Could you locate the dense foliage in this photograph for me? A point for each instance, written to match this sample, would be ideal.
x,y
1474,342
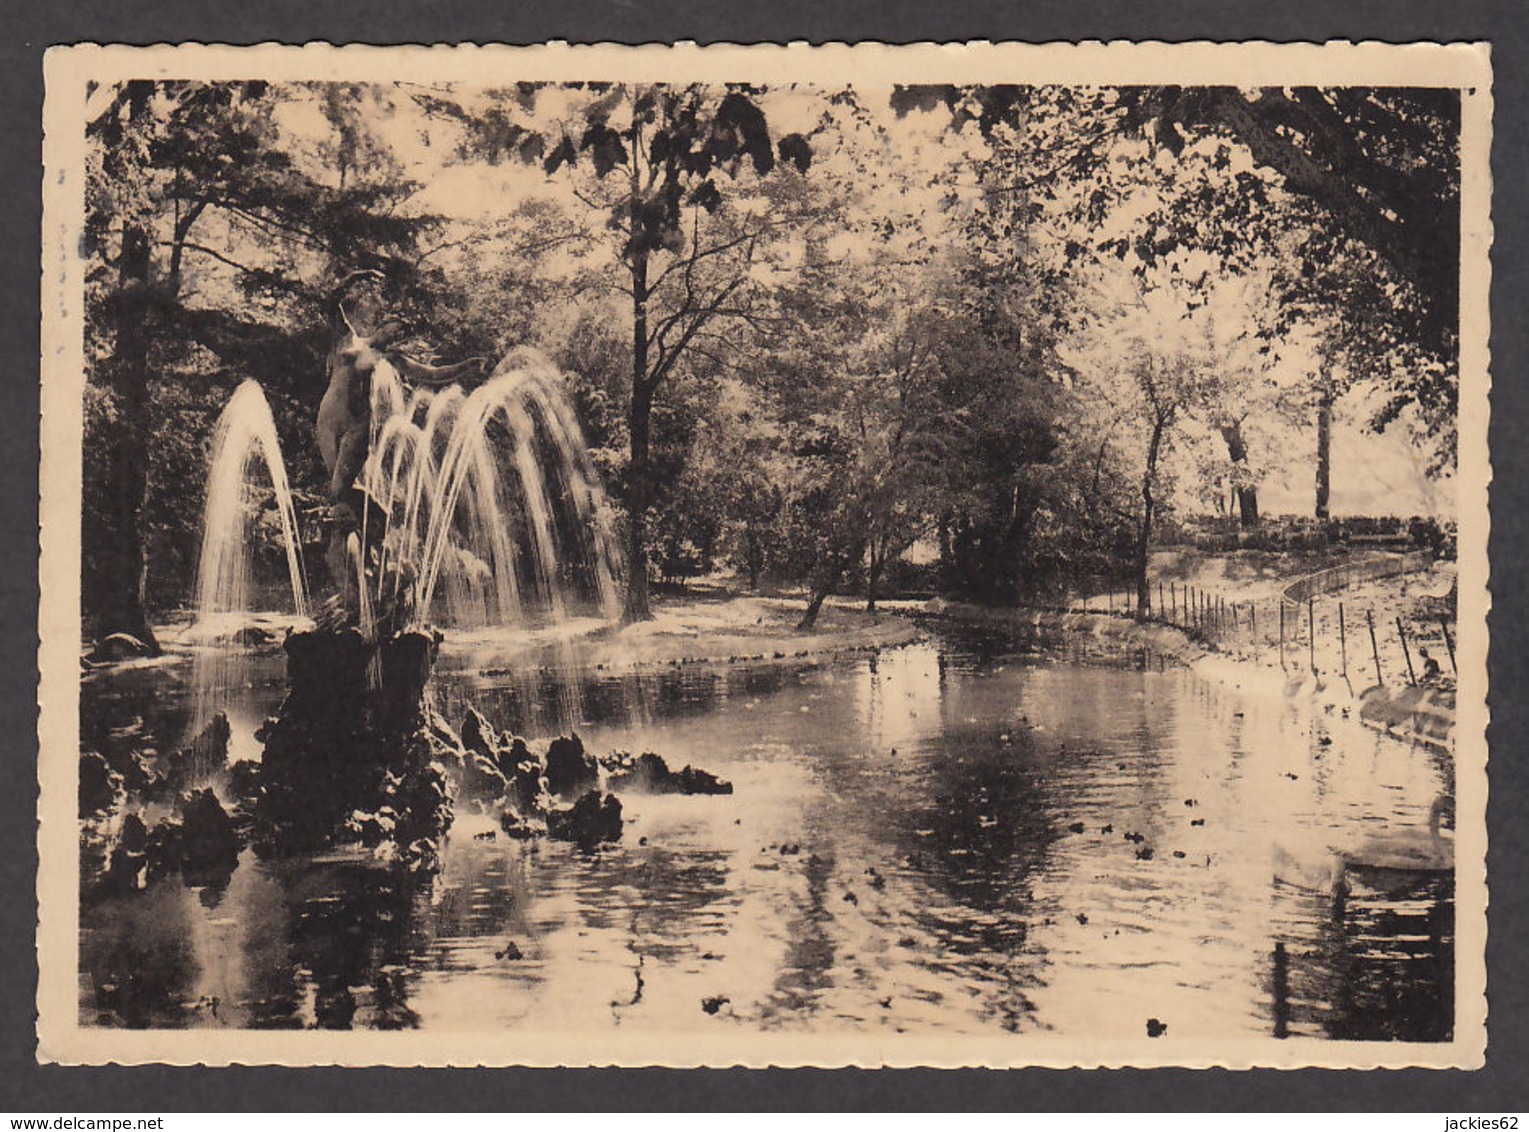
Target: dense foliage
x,y
980,339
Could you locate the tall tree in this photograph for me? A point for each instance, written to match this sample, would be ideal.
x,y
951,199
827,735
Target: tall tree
x,y
663,159
1381,163
113,581
849,392
1364,175
210,230
1146,358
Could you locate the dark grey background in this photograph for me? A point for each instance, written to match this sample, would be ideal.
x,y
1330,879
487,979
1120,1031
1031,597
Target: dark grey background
x,y
31,25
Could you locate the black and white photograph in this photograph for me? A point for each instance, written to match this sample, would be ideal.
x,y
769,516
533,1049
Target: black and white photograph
x,y
946,555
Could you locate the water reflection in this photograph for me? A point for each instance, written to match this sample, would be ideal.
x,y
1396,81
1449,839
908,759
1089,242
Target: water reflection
x,y
1368,962
962,835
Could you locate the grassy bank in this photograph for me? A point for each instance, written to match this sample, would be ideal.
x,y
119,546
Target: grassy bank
x,y
694,628
1328,641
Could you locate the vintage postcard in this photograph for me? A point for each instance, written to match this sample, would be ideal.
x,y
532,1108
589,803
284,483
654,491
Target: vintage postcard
x,y
950,555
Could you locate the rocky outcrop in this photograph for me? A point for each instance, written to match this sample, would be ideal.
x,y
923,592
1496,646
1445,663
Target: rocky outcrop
x,y
353,754
200,842
354,757
100,786
529,792
119,647
649,774
570,769
481,758
208,844
349,761
193,765
594,818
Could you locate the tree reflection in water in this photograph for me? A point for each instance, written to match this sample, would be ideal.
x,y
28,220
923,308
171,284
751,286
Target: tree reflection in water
x,y
917,841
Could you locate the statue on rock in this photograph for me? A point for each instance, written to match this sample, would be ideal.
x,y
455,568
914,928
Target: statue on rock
x,y
346,429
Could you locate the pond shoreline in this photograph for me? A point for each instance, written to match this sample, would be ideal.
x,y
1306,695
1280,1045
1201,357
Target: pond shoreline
x,y
755,630
1416,713
761,630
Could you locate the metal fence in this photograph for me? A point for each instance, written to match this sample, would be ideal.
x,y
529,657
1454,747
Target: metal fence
x,y
1311,626
1342,577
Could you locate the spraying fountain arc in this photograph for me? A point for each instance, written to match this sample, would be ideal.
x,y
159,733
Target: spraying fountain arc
x,y
244,442
471,510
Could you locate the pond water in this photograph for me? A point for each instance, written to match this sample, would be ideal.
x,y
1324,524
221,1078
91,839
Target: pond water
x,y
972,833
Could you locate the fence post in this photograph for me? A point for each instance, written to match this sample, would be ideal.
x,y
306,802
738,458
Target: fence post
x,y
1173,596
1342,642
1311,633
1282,634
1281,989
1369,618
1159,599
1449,643
1402,633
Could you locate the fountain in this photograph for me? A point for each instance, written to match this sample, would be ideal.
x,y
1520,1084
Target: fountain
x,y
471,511
454,504
244,440
489,508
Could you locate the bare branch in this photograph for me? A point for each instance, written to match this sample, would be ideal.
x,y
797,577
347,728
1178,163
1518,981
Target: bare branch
x,y
662,368
219,256
419,259
687,263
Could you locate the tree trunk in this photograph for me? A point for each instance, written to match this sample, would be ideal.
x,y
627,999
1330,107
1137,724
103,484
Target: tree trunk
x,y
640,472
874,566
947,553
1247,505
752,554
1237,450
815,605
116,574
183,223
1324,454
828,578
1148,510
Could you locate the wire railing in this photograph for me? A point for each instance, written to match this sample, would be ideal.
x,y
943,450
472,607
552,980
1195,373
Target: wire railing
x,y
1348,574
1314,625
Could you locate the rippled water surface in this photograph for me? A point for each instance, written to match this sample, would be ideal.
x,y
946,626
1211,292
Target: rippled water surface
x,y
961,835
